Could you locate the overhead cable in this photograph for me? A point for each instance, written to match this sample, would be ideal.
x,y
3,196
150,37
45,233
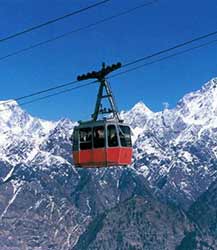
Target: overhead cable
x,y
91,25
30,29
118,74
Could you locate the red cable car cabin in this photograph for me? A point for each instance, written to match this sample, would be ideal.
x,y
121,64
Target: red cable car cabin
x,y
102,143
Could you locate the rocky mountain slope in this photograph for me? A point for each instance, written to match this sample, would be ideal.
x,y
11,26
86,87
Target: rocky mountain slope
x,y
138,223
204,211
45,203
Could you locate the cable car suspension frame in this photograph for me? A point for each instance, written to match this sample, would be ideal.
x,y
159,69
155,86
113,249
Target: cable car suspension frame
x,y
104,85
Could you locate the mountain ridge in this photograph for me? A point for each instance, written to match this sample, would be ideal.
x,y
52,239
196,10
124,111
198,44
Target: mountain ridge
x,y
174,163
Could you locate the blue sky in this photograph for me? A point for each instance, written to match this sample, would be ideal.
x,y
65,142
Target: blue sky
x,y
124,39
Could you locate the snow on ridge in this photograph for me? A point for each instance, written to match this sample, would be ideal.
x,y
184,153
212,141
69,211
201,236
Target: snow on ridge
x,y
200,107
210,84
140,106
20,133
9,102
13,118
47,125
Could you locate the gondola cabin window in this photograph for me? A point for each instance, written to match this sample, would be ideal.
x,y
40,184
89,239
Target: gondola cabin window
x,y
125,136
112,136
85,138
99,137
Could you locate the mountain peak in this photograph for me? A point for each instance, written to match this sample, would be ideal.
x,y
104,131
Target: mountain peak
x,y
141,107
200,107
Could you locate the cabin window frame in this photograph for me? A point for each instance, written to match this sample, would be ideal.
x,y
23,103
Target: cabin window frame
x,y
117,136
90,142
120,133
104,135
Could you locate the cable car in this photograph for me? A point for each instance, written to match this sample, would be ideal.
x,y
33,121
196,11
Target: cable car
x,y
102,142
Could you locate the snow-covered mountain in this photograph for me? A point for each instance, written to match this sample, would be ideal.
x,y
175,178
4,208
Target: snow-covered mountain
x,y
41,193
20,133
176,148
